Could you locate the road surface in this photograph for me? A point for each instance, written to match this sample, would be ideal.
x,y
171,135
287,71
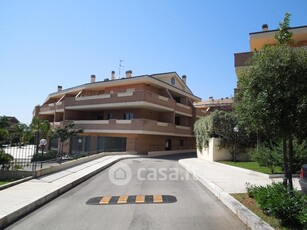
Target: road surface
x,y
189,205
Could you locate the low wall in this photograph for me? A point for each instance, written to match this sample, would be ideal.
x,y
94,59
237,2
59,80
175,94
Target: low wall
x,y
73,163
213,152
14,174
18,174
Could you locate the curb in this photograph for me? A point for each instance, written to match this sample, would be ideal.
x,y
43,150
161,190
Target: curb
x,y
247,217
18,214
15,182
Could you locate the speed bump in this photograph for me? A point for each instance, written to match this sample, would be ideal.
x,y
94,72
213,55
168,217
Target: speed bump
x,y
132,199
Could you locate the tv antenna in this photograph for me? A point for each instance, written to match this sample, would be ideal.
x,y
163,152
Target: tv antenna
x,y
120,66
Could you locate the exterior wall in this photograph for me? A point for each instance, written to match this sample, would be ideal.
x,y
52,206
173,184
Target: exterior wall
x,y
213,152
158,114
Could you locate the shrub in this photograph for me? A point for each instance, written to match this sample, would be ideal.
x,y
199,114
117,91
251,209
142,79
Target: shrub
x,y
267,157
5,160
274,200
299,154
46,156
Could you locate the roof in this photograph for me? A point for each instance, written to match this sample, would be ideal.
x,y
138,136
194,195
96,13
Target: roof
x,y
155,77
215,102
267,31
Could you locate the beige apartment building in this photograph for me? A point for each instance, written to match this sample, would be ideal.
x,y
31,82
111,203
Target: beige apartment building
x,y
257,40
139,114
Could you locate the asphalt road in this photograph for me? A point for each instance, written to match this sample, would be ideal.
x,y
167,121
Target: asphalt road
x,y
194,207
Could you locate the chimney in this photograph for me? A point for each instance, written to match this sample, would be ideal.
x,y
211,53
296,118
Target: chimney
x,y
128,73
265,27
184,79
93,78
59,88
113,75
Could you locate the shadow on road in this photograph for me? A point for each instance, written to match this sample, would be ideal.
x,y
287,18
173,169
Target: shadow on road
x,y
177,157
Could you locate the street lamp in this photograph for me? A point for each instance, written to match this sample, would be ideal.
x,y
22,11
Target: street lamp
x,y
236,130
79,144
42,143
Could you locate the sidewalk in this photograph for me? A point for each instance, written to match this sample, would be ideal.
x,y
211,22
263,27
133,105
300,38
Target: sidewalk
x,y
23,198
223,180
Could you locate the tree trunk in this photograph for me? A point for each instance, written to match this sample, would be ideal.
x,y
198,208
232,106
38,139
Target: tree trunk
x,y
290,149
285,179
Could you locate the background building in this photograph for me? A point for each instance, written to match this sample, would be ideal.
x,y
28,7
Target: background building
x,y
258,40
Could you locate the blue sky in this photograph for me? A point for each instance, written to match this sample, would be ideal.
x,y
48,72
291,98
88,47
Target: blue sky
x,y
48,43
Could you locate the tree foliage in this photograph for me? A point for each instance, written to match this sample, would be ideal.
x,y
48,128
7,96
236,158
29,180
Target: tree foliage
x,y
65,133
40,127
272,95
203,131
5,160
283,35
268,156
221,124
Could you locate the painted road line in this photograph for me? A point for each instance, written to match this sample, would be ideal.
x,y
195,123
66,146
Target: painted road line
x,y
122,199
157,199
105,200
140,199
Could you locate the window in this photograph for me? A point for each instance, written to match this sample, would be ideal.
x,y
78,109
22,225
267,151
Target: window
x,y
128,116
177,121
181,143
99,117
109,117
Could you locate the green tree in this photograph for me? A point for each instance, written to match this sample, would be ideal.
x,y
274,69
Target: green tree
x,y
272,96
3,136
20,132
269,156
221,124
41,129
283,35
233,137
40,126
64,134
4,122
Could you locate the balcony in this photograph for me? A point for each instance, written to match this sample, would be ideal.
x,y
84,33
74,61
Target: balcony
x,y
51,108
135,126
241,59
136,99
201,113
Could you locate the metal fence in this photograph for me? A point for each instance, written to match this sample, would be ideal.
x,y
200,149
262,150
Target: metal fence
x,y
88,145
34,156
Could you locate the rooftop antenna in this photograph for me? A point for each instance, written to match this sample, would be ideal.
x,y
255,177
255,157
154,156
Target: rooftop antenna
x,y
119,68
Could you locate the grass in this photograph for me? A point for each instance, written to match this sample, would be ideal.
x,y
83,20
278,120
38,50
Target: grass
x,y
2,182
251,205
251,165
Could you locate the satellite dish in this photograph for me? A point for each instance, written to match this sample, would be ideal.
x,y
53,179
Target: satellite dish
x,y
42,142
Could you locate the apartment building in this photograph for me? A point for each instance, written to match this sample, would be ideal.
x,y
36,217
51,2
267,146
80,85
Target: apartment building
x,y
212,104
138,114
257,40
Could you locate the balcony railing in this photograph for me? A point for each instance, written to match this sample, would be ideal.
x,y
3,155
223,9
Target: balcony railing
x,y
201,113
241,59
135,126
51,108
117,100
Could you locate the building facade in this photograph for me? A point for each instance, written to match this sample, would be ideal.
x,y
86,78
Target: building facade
x,y
258,40
208,106
141,114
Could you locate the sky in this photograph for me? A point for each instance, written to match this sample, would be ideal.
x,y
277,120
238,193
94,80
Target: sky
x,y
46,43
